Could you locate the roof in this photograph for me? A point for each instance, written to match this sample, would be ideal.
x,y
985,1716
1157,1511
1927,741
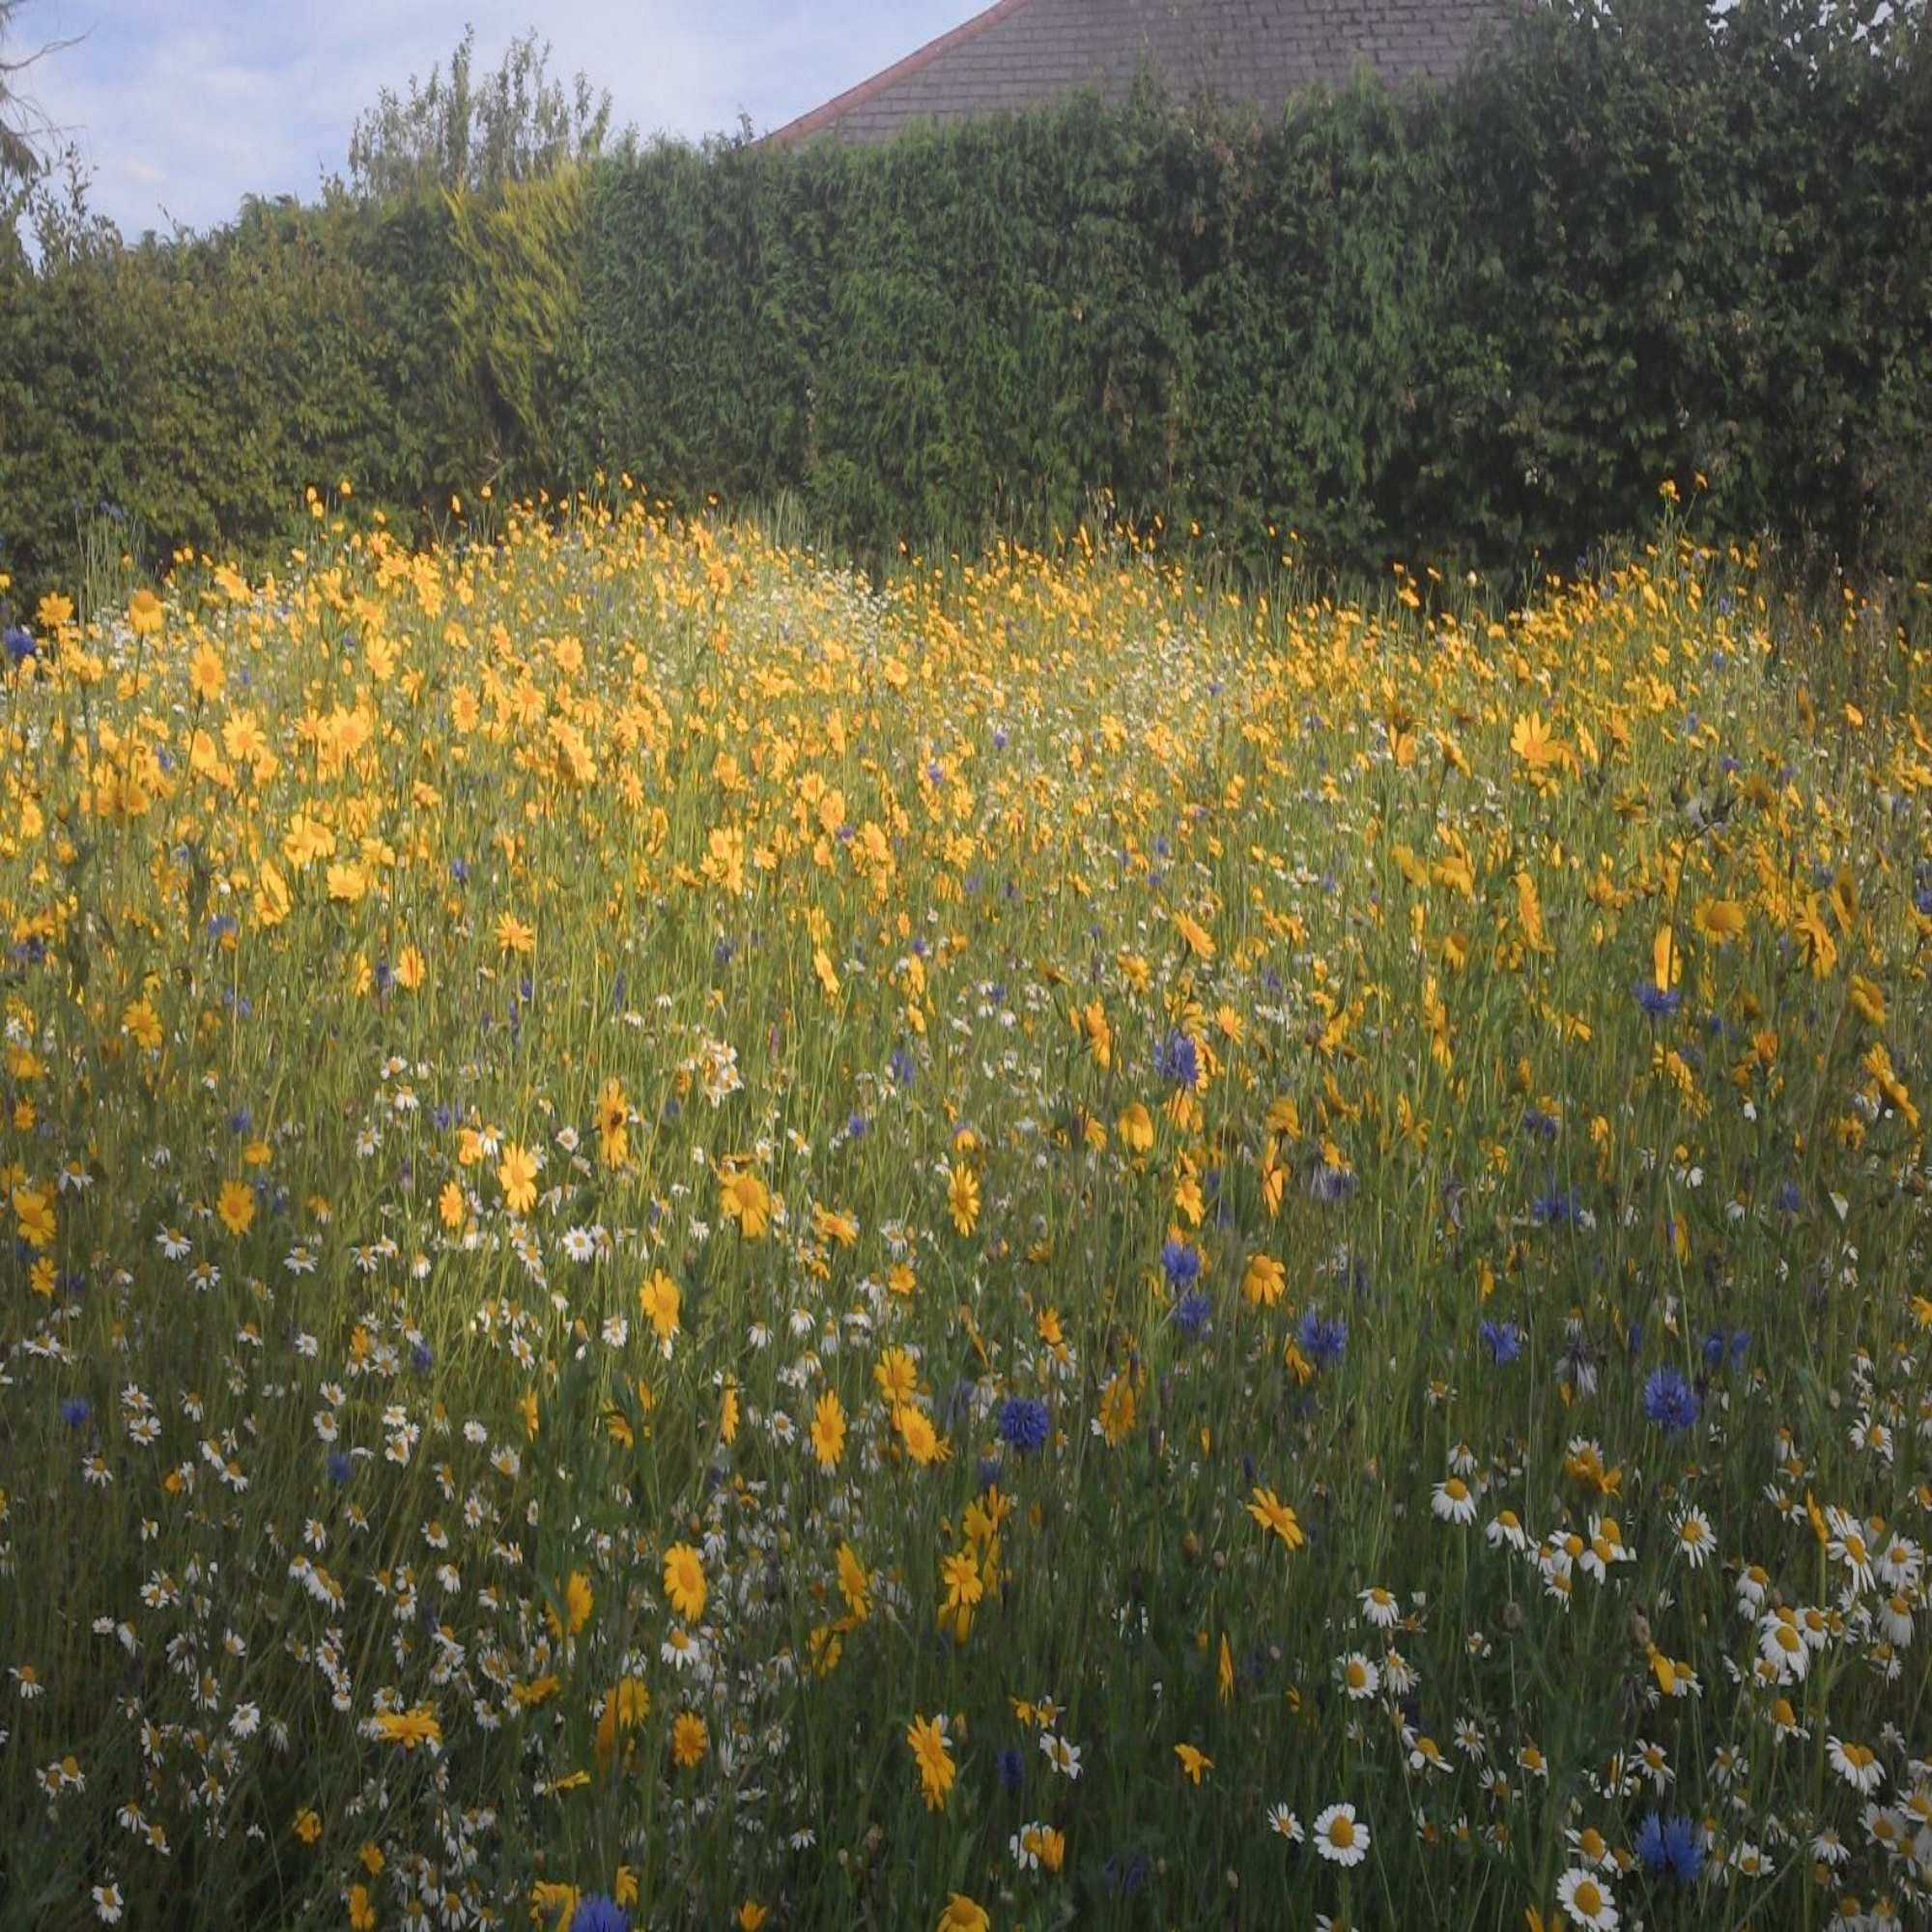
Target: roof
x,y
1023,53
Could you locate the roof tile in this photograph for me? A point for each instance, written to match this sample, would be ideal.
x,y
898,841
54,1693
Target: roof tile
x,y
1027,53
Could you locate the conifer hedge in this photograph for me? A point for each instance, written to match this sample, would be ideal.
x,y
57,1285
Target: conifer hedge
x,y
1481,323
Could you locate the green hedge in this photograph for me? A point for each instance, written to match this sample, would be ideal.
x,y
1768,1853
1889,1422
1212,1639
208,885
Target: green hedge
x,y
1479,322
195,389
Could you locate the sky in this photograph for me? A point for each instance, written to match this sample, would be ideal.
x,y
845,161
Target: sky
x,y
181,107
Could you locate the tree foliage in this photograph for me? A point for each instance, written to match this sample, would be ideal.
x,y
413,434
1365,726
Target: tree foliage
x,y
461,132
24,133
1481,324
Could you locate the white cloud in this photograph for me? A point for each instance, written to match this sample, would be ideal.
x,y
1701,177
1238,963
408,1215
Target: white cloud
x,y
184,106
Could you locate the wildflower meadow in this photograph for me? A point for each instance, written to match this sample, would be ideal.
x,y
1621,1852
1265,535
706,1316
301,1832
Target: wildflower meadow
x,y
694,1242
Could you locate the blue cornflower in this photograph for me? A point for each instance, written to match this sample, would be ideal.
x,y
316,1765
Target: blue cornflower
x,y
1717,1345
1789,1199
1181,1263
1330,1184
1503,1340
421,1357
1671,1845
1655,1001
1024,1423
1010,1764
599,1913
75,1410
1669,1400
1554,1210
1191,1312
1320,1341
1178,1060
999,741
340,1468
20,645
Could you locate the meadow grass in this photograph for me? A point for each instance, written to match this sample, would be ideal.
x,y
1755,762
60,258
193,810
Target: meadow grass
x,y
690,1242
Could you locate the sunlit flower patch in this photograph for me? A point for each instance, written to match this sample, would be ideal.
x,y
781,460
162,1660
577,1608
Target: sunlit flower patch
x,y
692,1242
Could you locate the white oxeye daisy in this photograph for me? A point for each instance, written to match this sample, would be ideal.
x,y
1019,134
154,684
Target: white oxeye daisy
x,y
1828,1848
1894,1619
1695,1539
1899,1562
1592,1847
1781,1644
1379,1608
1359,1678
1885,1827
1340,1836
1506,1527
1856,1764
1285,1824
1454,1501
1586,1900
1849,1548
